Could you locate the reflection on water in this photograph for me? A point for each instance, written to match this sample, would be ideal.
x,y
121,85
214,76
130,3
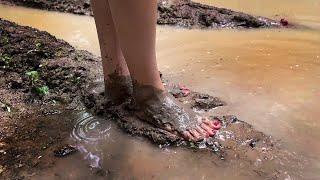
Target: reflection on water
x,y
269,78
90,129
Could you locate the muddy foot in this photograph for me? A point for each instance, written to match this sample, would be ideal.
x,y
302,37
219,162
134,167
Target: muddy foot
x,y
116,89
164,111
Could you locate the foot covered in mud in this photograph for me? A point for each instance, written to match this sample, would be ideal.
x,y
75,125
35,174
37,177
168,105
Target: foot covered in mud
x,y
116,89
163,111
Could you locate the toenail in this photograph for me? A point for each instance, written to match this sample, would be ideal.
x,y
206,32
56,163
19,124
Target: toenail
x,y
216,124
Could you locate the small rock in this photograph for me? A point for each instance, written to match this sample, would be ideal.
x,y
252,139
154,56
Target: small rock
x,y
252,143
1,169
284,22
65,151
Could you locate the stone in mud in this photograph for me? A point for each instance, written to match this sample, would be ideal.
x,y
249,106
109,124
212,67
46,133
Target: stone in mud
x,y
284,22
184,13
65,151
179,91
206,102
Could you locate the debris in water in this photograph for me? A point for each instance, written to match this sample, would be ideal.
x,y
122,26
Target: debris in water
x,y
253,143
206,102
1,169
65,151
284,22
93,159
185,91
202,145
180,91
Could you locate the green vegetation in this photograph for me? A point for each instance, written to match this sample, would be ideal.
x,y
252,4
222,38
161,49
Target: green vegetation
x,y
4,40
33,75
6,58
38,46
42,91
76,80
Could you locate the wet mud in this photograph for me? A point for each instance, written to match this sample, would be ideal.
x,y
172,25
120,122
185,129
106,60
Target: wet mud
x,y
40,75
183,13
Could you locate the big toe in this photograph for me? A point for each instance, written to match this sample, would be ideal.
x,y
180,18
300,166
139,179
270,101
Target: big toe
x,y
215,124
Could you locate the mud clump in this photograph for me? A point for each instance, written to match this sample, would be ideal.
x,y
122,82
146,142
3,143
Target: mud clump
x,y
186,13
183,13
65,151
81,7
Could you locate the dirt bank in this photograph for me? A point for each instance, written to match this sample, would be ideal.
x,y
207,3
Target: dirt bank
x,y
182,13
40,75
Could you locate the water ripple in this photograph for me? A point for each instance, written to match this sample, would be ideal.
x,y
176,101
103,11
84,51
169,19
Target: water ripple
x,y
89,128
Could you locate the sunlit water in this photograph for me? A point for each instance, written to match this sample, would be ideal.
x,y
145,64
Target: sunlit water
x,y
269,78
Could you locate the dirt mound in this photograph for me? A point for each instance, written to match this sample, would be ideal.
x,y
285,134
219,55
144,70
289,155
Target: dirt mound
x,y
184,13
38,74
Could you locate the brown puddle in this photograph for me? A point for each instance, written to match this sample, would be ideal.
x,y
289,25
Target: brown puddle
x,y
269,78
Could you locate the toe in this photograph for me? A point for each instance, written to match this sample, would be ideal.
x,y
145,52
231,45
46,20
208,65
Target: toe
x,y
215,124
187,135
207,129
202,132
195,134
208,122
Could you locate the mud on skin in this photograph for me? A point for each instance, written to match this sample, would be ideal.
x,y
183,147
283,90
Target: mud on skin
x,y
184,13
66,72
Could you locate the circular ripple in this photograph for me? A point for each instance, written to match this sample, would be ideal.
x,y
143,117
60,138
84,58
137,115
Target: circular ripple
x,y
89,128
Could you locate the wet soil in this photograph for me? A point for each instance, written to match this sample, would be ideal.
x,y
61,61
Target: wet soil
x,y
40,75
184,13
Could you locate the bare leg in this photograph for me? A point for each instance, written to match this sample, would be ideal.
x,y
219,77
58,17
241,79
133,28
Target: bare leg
x,y
135,23
116,73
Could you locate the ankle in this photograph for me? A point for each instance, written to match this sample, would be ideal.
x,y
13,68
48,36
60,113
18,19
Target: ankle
x,y
143,93
118,88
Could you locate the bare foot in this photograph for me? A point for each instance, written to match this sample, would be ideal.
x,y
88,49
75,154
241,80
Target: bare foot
x,y
164,111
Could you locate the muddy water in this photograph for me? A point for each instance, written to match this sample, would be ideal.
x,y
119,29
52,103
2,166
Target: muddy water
x,y
269,78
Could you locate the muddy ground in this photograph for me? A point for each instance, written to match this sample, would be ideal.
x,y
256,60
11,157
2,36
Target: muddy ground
x,y
184,13
40,75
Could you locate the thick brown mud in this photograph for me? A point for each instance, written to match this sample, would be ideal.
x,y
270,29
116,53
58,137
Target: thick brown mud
x,y
184,13
39,74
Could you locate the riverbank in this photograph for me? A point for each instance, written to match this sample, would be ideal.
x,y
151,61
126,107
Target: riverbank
x,y
183,13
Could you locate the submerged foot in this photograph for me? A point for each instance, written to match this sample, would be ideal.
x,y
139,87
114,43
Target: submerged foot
x,y
164,111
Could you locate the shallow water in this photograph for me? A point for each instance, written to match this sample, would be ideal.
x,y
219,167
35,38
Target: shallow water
x,y
269,78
